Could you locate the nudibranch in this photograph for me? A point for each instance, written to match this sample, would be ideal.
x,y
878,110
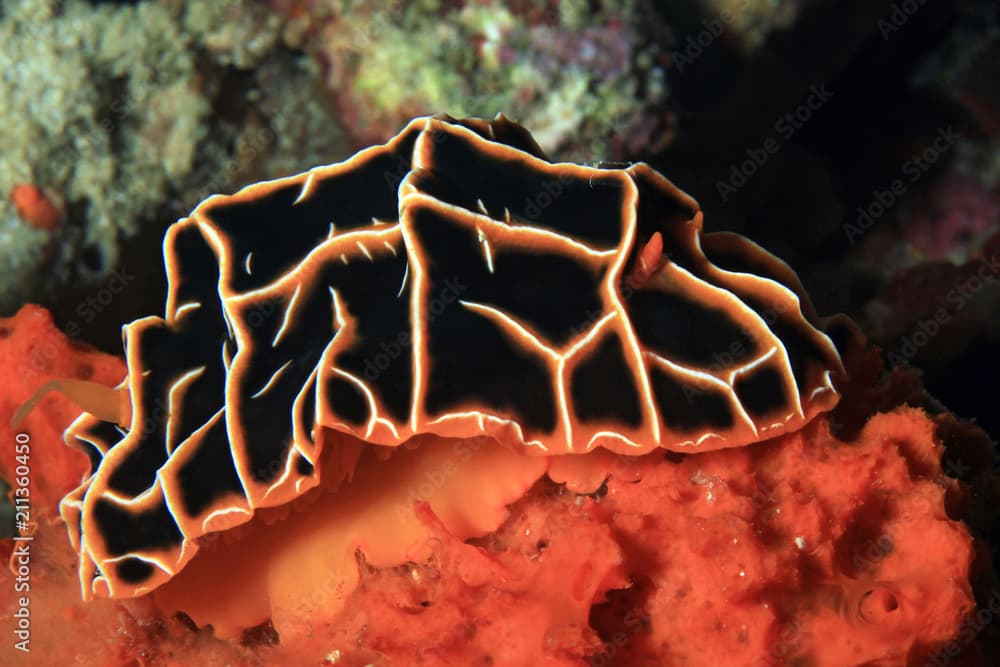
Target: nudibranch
x,y
452,282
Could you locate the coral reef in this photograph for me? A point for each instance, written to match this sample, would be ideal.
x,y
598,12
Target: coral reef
x,y
126,112
904,152
751,21
952,220
938,291
123,115
33,351
586,77
802,548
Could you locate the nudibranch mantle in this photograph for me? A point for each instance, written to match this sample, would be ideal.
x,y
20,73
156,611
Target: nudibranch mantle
x,y
451,281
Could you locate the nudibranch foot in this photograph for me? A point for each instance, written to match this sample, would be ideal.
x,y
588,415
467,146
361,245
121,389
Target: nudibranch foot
x,y
110,405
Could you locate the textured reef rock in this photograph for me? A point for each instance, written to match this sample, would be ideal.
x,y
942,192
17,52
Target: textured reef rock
x,y
940,314
122,112
802,548
954,219
587,77
750,22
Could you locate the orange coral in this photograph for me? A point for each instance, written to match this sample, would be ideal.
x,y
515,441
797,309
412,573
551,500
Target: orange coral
x,y
800,549
804,548
33,351
35,207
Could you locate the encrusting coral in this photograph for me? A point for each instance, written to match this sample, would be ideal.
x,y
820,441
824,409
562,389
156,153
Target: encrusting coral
x,y
803,547
33,351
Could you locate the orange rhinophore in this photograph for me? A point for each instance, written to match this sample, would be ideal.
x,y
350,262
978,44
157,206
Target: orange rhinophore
x,y
35,207
454,283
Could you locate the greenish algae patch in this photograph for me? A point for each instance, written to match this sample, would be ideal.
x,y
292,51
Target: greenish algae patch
x,y
127,113
575,72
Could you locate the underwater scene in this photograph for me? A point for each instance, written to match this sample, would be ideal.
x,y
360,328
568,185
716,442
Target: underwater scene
x,y
543,333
